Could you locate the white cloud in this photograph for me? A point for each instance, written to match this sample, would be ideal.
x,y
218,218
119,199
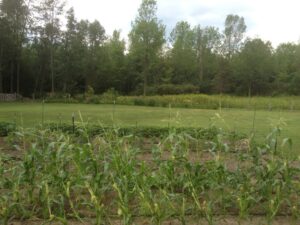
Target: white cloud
x,y
275,20
112,14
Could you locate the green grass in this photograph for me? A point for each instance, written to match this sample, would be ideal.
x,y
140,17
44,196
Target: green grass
x,y
202,101
241,120
196,101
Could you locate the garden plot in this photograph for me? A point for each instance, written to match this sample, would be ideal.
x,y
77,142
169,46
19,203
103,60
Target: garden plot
x,y
59,178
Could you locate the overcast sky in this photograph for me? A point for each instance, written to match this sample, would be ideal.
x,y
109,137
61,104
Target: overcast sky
x,y
274,20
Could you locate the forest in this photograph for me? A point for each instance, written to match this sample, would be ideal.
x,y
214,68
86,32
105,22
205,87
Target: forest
x,y
45,50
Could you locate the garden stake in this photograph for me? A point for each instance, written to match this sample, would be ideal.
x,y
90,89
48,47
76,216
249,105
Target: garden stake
x,y
73,122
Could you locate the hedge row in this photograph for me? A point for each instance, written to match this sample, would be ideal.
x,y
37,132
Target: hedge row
x,y
198,101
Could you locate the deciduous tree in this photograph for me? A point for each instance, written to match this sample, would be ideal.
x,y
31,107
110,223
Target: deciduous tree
x,y
146,38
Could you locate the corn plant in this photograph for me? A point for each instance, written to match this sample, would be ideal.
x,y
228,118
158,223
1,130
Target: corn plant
x,y
123,204
97,204
204,208
152,201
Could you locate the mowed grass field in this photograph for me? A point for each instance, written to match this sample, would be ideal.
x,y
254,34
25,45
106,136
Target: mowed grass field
x,y
241,120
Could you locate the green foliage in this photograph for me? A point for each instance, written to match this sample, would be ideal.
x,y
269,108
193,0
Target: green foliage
x,y
235,29
110,95
6,128
93,130
146,40
198,101
213,102
89,92
183,56
38,56
254,67
100,178
172,89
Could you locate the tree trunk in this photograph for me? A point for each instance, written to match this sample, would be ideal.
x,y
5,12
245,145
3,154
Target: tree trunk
x,y
65,87
145,83
249,90
18,77
51,68
200,60
42,80
1,80
12,77
36,82
1,76
145,73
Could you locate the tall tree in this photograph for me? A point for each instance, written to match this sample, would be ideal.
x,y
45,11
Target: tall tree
x,y
48,24
15,14
207,41
254,67
286,58
234,32
294,86
96,37
146,38
115,48
4,44
182,54
286,66
70,53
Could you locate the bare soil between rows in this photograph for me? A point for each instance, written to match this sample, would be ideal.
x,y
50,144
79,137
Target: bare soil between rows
x,y
228,220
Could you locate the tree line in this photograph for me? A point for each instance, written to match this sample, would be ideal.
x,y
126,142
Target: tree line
x,y
39,55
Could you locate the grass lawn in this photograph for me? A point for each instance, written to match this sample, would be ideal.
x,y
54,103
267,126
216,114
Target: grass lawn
x,y
30,114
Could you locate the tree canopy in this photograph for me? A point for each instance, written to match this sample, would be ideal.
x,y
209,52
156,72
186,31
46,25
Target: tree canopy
x,y
45,49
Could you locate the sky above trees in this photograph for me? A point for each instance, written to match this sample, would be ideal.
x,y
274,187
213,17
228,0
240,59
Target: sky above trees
x,y
276,21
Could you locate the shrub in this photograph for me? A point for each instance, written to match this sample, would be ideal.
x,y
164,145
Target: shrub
x,y
138,101
172,89
89,92
95,99
151,102
6,128
200,101
109,96
60,98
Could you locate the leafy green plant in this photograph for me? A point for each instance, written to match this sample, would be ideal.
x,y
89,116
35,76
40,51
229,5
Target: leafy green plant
x,y
6,128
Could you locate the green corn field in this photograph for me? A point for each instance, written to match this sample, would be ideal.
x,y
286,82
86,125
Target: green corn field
x,y
55,176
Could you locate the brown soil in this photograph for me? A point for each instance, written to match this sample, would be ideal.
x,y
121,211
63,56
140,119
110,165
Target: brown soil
x,y
194,157
8,150
228,220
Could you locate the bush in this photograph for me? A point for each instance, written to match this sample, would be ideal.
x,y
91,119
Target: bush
x,y
151,102
95,99
172,89
60,98
110,95
89,92
199,101
6,128
138,101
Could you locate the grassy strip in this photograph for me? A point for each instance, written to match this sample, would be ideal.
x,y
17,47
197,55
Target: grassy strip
x,y
244,121
214,102
199,101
